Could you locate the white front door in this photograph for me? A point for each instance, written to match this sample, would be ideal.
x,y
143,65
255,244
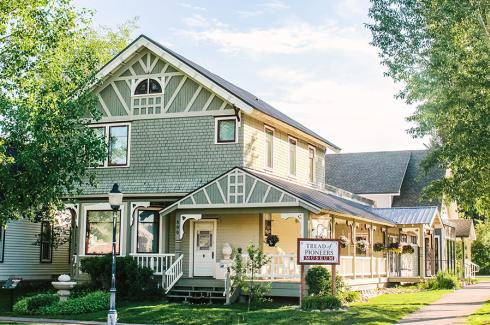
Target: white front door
x,y
204,248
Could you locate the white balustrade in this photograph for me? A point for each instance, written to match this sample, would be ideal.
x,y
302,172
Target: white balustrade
x,y
158,263
470,269
173,274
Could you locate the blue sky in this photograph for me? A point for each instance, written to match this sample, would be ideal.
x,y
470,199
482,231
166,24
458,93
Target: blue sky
x,y
310,59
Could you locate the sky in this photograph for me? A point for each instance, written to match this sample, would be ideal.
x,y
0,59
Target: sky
x,y
310,59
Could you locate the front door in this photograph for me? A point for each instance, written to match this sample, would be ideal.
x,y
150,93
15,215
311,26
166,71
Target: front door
x,y
204,250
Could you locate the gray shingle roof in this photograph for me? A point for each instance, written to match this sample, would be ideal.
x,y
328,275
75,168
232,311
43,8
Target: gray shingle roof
x,y
244,95
367,172
464,227
322,199
415,181
411,215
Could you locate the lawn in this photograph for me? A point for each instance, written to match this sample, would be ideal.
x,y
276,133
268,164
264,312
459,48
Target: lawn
x,y
481,316
384,309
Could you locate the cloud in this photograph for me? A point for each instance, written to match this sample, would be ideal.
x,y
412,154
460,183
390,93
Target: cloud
x,y
275,4
192,7
350,8
197,21
355,116
292,38
264,8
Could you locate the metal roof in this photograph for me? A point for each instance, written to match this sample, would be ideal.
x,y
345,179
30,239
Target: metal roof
x,y
408,215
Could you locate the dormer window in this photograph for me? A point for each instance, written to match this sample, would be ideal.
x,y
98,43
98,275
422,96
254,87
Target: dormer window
x,y
147,98
148,87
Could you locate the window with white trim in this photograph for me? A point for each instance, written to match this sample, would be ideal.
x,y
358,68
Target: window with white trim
x,y
2,242
226,130
147,240
311,163
46,242
236,188
147,98
269,148
116,136
292,156
98,232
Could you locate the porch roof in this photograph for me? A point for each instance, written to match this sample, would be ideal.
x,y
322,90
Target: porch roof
x,y
409,215
464,228
260,190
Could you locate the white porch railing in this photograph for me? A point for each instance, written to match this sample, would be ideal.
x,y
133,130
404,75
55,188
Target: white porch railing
x,y
470,269
173,274
159,263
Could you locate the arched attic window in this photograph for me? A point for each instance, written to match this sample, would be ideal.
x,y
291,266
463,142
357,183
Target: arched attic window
x,y
148,87
147,98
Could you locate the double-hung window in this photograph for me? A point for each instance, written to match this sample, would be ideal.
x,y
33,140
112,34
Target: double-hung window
x,y
116,136
269,147
292,156
2,242
46,255
226,130
98,233
311,163
148,231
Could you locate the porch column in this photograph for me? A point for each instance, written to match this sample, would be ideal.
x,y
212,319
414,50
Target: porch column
x,y
422,251
332,234
354,253
371,257
178,236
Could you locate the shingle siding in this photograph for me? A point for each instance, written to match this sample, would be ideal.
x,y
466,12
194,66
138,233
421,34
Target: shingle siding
x,y
170,156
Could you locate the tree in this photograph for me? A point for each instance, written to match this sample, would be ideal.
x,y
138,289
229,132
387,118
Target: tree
x,y
49,54
480,249
439,50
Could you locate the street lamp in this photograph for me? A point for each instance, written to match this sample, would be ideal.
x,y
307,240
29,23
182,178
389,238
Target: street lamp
x,y
115,200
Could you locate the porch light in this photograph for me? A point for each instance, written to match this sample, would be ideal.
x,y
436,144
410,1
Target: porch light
x,y
115,197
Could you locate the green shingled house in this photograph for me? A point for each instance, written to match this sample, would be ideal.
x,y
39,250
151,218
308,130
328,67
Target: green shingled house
x,y
206,166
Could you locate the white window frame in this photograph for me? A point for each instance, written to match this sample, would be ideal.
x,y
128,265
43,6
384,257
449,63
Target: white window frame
x,y
135,84
266,158
107,127
161,229
41,241
138,81
2,243
313,171
216,134
83,226
295,156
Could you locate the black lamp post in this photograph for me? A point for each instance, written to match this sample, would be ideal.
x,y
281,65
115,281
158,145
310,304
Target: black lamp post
x,y
115,200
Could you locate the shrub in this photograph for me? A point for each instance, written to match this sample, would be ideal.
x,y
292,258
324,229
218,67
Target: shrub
x,y
319,281
31,305
379,247
98,300
321,302
408,249
132,281
350,296
443,280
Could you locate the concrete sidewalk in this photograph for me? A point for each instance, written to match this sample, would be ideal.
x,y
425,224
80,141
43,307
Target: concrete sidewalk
x,y
40,321
452,308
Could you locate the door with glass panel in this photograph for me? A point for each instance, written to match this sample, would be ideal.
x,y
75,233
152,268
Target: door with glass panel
x,y
204,248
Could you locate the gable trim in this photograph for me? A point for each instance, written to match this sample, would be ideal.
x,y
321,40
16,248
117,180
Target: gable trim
x,y
142,42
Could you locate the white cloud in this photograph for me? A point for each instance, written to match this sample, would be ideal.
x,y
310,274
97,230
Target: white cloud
x,y
264,8
197,21
349,8
275,4
357,117
192,7
293,38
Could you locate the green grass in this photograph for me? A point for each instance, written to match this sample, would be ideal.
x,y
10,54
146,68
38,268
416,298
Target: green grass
x,y
481,316
384,309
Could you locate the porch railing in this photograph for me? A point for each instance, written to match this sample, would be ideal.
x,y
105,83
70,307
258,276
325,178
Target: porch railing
x,y
173,274
158,263
281,266
470,269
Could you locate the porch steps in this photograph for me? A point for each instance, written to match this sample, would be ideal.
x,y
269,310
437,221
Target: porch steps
x,y
198,291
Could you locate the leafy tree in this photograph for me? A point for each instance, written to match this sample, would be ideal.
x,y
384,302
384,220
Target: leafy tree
x,y
480,249
49,53
440,51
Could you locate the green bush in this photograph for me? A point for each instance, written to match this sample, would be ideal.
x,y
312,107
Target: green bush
x,y
31,305
319,281
98,300
443,280
132,281
350,296
321,302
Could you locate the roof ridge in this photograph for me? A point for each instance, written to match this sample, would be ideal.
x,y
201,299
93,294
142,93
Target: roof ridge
x,y
378,151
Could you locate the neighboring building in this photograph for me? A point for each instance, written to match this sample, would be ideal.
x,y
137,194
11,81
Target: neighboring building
x,y
205,165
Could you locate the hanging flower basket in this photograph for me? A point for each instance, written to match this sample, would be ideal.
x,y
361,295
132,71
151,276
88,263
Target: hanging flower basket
x,y
362,245
408,249
272,240
379,247
395,248
344,241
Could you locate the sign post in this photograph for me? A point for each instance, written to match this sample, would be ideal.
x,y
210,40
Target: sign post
x,y
313,251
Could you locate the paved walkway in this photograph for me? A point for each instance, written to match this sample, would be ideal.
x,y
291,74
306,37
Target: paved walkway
x,y
42,321
452,308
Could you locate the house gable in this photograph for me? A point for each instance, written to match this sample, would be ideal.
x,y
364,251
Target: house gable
x,y
181,94
238,189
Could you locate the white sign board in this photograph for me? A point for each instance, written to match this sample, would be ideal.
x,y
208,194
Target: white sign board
x,y
318,251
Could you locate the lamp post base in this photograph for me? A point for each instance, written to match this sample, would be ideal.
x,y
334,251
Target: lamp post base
x,y
112,318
